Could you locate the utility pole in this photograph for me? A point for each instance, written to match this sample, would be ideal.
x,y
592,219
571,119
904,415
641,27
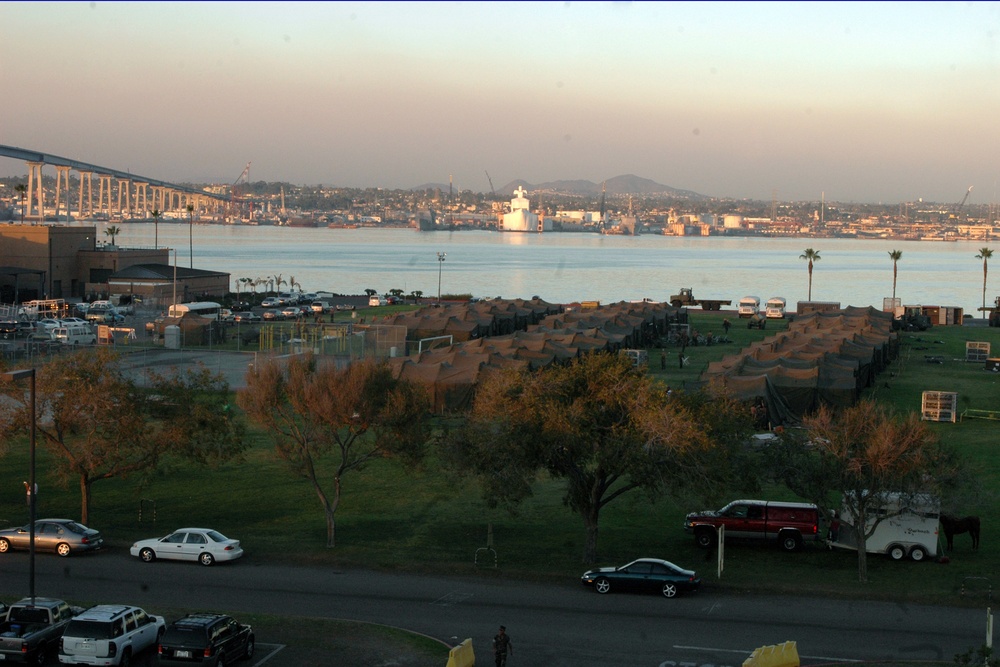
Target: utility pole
x,y
441,256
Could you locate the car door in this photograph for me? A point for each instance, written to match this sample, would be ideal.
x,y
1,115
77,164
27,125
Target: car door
x,y
172,546
635,577
194,545
660,574
46,535
145,630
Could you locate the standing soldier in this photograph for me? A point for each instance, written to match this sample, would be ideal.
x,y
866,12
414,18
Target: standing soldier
x,y
502,646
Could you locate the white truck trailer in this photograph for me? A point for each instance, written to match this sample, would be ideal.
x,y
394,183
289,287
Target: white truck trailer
x,y
908,528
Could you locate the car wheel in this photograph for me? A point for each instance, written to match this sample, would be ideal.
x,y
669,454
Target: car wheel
x,y
669,589
918,554
63,549
206,559
126,659
4,546
705,538
221,661
40,656
896,552
791,542
248,651
147,555
602,585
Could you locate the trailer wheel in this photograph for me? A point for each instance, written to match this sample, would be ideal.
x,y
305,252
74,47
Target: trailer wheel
x,y
676,303
918,553
896,552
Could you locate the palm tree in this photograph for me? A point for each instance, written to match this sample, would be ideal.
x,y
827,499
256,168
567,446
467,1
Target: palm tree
x,y
984,254
812,256
190,210
156,228
113,231
21,189
894,255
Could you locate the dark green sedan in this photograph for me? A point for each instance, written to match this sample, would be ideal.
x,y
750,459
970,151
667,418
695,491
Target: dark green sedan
x,y
641,576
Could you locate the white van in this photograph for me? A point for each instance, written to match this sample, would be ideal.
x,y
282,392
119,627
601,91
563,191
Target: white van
x,y
76,334
377,301
749,306
320,306
775,308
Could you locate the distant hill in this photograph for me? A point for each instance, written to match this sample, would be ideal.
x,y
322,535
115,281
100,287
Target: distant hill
x,y
619,185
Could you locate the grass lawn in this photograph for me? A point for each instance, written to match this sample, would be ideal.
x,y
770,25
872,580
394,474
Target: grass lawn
x,y
424,520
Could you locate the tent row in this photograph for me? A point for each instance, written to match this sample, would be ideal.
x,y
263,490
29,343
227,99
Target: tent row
x,y
824,358
450,373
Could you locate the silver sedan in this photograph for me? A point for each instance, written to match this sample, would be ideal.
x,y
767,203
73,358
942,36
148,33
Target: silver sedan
x,y
61,536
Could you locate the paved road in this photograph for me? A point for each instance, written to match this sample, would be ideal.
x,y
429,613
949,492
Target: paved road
x,y
551,625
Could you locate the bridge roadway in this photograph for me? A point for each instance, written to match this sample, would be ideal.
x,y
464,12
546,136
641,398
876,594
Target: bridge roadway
x,y
552,625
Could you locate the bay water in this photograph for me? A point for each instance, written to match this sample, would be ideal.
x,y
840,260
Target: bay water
x,y
567,267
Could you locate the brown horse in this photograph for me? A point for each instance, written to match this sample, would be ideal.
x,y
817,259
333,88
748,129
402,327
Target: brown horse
x,y
955,526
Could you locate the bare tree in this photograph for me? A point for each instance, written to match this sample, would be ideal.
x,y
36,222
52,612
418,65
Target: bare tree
x,y
313,411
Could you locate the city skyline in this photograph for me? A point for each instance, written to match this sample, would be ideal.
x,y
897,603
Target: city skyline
x,y
865,102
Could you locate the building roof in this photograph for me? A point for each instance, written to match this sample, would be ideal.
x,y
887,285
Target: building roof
x,y
162,272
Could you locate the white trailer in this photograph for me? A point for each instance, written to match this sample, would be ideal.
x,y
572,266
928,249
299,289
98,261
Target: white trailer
x,y
908,528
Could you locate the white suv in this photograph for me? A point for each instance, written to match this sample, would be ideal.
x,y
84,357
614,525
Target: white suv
x,y
109,634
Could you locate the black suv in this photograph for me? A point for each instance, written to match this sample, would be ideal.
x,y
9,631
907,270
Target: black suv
x,y
206,639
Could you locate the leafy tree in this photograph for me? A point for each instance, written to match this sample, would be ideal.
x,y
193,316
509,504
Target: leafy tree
x,y
21,190
396,292
113,231
354,415
984,254
895,256
866,455
156,228
416,294
371,292
811,256
98,424
598,424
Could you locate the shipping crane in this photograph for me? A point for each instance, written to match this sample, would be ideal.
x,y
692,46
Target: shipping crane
x,y
958,208
238,198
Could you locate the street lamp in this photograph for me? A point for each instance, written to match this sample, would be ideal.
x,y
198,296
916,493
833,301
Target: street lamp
x,y
441,256
12,376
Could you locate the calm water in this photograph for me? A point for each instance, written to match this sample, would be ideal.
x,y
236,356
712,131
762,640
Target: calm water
x,y
567,267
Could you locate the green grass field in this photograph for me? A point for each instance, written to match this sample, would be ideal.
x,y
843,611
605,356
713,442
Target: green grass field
x,y
424,520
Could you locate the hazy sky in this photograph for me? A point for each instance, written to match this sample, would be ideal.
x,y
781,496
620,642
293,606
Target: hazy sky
x,y
863,101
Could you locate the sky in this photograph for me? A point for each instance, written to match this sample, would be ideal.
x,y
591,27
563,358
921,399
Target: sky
x,y
849,101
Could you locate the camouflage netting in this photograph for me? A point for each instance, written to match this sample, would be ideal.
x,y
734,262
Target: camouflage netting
x,y
824,358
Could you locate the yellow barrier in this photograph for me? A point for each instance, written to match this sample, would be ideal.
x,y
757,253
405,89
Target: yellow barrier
x,y
780,655
462,655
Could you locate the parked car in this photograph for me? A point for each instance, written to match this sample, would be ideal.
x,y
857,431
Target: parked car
x,y
109,634
345,306
271,315
787,524
61,536
206,639
270,302
291,312
69,321
643,575
201,544
246,317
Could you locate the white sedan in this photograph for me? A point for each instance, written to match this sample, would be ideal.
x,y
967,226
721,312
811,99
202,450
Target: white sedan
x,y
201,544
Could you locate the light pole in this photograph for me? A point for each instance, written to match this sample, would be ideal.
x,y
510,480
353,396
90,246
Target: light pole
x,y
441,256
32,488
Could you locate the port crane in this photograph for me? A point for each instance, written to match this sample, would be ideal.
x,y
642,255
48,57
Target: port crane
x,y
238,198
958,207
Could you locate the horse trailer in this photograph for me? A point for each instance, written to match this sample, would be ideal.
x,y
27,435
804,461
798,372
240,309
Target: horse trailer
x,y
908,528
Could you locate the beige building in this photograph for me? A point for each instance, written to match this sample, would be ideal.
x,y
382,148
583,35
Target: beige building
x,y
65,262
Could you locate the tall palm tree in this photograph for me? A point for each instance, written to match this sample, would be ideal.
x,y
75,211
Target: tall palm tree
x,y
21,189
894,255
984,254
113,231
190,210
812,256
156,228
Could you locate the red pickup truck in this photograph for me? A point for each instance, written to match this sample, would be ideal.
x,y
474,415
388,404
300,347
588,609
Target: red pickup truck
x,y
789,524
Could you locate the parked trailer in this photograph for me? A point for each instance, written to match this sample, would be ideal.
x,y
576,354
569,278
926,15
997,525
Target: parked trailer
x,y
909,528
685,298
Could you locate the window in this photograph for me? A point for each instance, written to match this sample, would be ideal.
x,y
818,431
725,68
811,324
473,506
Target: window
x,y
130,622
175,538
755,512
196,538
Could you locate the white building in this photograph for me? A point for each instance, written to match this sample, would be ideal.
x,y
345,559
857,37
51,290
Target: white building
x,y
520,218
